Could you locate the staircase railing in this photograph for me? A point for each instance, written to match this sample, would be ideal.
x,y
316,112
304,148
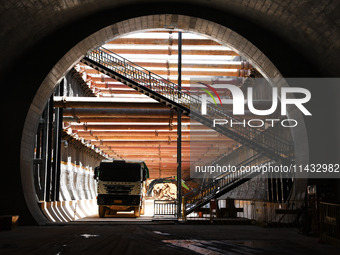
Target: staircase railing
x,y
168,92
222,184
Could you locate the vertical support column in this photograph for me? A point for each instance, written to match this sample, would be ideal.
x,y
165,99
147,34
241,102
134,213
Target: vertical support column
x,y
39,159
269,188
59,127
55,154
58,122
48,167
179,164
44,153
179,61
179,132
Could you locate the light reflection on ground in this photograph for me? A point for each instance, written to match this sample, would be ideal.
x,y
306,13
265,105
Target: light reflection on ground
x,y
214,247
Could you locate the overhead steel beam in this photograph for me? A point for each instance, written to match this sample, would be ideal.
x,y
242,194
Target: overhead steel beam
x,y
100,102
150,65
148,151
217,71
141,144
155,138
155,143
173,156
162,41
175,52
162,145
148,133
133,127
148,113
121,120
160,151
120,127
238,73
118,85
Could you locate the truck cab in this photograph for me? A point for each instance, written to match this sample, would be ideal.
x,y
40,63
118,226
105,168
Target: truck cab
x,y
121,186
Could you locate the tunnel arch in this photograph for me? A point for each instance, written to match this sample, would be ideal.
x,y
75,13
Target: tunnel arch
x,y
211,29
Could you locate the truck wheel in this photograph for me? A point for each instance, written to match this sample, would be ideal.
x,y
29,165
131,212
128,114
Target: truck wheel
x,y
137,212
101,211
142,209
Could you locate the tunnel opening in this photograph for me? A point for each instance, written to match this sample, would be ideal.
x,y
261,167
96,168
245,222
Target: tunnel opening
x,y
79,139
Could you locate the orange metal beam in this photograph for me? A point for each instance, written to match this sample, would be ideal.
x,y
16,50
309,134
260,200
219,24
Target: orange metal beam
x,y
237,73
142,144
163,41
135,120
147,133
175,52
133,127
160,138
150,65
110,105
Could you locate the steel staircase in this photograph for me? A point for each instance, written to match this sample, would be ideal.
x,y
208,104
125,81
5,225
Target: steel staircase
x,y
265,142
223,183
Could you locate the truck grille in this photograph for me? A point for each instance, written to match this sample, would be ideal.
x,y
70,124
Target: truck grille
x,y
118,189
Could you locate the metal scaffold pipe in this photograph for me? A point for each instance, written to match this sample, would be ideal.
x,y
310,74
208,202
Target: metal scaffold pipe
x,y
121,112
111,103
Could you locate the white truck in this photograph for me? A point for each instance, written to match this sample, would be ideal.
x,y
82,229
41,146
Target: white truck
x,y
121,186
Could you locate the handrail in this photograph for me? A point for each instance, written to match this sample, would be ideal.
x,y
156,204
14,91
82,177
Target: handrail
x,y
228,175
148,71
215,187
332,204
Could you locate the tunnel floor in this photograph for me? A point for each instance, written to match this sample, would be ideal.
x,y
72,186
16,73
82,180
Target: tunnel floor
x,y
120,218
159,239
124,217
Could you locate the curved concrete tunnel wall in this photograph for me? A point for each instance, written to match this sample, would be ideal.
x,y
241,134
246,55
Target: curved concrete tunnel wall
x,y
287,32
77,192
78,188
220,33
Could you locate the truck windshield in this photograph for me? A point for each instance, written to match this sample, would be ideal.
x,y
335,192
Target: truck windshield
x,y
127,172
